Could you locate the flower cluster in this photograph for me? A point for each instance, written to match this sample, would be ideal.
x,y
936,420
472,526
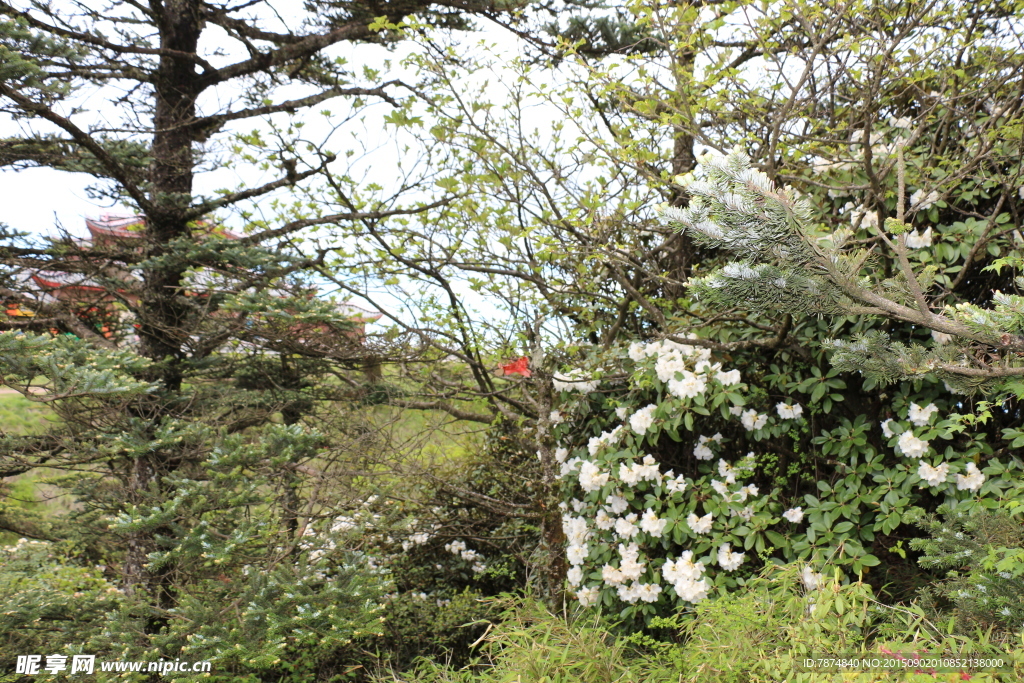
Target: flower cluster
x,y
919,240
574,380
642,419
933,475
729,560
911,446
971,480
702,451
789,411
686,577
459,548
921,416
752,420
672,361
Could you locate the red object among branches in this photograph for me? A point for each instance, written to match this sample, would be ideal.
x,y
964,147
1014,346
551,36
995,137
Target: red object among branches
x,y
518,367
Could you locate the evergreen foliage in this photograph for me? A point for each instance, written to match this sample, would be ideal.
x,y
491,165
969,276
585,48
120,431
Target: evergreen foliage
x,y
983,557
196,371
790,265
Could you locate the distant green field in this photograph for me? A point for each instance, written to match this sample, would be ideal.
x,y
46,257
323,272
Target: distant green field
x,y
19,416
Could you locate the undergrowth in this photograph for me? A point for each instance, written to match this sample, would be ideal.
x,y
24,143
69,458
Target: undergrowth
x,y
758,635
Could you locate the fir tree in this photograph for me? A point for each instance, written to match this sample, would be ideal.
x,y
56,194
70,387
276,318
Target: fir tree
x,y
200,486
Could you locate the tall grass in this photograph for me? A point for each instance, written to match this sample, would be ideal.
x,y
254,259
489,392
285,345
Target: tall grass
x,y
760,634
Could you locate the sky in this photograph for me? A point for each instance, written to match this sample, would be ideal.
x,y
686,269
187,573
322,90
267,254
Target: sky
x,y
41,200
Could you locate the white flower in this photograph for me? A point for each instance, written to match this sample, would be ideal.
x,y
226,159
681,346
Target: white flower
x,y
629,593
887,428
810,578
587,596
578,505
575,529
705,367
720,487
794,515
629,474
751,489
789,411
683,569
642,419
726,471
727,559
574,576
911,446
752,420
692,591
923,200
699,525
569,467
972,480
576,554
728,378
866,219
917,240
618,504
636,352
596,443
702,452
651,524
677,485
933,475
668,364
736,411
603,521
591,477
746,513
573,381
690,386
649,470
621,412
455,547
626,527
611,575
561,454
648,592
920,416
629,564
479,567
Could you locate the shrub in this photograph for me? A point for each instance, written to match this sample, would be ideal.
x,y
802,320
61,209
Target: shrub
x,y
984,556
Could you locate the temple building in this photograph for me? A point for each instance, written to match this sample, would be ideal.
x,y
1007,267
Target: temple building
x,y
106,307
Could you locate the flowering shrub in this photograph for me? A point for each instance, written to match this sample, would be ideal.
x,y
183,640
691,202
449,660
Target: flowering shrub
x,y
667,498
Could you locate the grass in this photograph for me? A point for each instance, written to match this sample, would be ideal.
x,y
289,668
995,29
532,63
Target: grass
x,y
20,416
760,634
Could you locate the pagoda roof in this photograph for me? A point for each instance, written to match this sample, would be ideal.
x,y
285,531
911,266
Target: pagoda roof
x,y
132,227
